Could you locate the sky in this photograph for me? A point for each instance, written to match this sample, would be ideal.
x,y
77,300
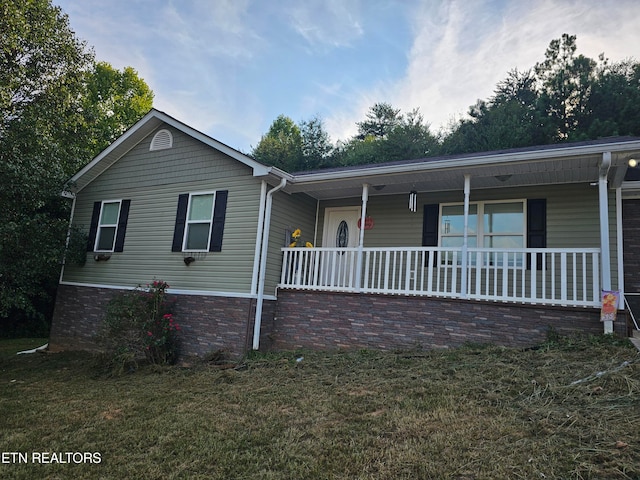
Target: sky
x,y
228,68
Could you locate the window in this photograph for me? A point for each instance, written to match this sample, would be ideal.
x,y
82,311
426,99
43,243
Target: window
x,y
452,226
499,225
198,229
342,235
108,226
200,222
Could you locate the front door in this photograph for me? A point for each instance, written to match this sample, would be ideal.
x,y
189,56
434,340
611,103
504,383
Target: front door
x,y
340,231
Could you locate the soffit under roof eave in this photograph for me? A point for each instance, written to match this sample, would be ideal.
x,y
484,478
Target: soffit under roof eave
x,y
529,172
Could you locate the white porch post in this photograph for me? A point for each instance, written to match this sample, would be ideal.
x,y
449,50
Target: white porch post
x,y
619,245
363,215
465,234
605,253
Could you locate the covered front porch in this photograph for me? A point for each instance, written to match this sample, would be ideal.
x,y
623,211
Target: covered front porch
x,y
564,250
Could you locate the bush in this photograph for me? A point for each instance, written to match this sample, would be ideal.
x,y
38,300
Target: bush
x,y
139,325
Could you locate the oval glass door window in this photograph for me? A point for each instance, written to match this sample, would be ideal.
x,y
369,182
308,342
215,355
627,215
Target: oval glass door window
x,y
342,235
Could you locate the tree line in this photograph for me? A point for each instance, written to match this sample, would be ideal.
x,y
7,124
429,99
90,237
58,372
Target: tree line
x,y
59,107
566,97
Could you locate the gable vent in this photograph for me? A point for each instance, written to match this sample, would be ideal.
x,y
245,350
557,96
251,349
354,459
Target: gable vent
x,y
161,140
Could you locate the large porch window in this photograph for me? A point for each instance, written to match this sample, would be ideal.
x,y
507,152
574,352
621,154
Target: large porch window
x,y
499,225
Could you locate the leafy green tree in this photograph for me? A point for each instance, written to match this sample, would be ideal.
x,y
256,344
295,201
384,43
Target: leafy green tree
x,y
282,145
614,101
509,119
381,119
114,100
44,74
42,66
387,135
316,145
357,151
566,81
410,139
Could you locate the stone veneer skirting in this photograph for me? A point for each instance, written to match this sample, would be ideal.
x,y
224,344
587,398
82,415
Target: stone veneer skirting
x,y
208,324
327,321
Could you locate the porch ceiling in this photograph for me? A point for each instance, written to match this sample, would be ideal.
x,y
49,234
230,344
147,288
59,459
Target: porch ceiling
x,y
512,169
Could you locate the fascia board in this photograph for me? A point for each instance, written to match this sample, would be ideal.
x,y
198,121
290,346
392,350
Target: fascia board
x,y
461,162
279,174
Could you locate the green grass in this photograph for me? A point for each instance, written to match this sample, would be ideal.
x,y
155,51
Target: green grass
x,y
469,413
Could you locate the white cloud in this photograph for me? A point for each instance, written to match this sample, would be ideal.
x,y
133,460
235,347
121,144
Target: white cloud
x,y
461,50
207,29
331,23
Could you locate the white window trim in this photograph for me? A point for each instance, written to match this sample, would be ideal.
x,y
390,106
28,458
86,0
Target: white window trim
x,y
480,234
188,222
107,225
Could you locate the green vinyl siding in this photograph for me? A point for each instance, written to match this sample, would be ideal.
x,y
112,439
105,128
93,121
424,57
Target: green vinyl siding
x,y
289,212
153,181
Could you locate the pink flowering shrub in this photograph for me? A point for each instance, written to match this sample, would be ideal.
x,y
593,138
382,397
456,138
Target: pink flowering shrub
x,y
140,324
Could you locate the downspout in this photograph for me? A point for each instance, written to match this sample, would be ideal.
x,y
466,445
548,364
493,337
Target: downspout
x,y
66,243
465,241
256,254
605,254
263,263
363,215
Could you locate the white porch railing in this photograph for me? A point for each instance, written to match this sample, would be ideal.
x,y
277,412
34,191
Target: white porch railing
x,y
568,277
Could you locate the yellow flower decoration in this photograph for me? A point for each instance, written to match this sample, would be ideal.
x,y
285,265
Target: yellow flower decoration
x,y
296,237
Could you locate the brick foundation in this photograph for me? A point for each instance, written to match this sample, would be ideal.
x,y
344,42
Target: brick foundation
x,y
327,321
208,323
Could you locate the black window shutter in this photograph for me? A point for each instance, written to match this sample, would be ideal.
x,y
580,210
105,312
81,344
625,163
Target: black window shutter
x,y
536,228
219,214
93,230
181,220
430,225
122,225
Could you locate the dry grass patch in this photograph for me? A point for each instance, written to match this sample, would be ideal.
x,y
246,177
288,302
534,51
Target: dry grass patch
x,y
469,413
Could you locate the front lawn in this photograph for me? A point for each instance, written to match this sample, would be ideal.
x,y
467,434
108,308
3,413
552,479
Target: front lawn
x,y
570,409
